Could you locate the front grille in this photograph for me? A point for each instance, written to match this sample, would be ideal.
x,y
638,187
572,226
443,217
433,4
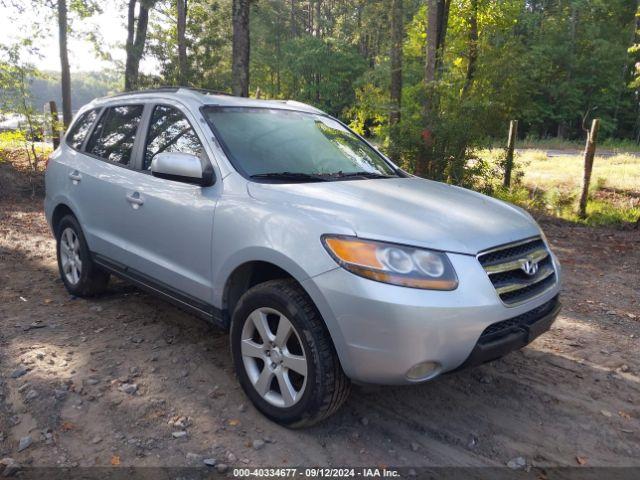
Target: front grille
x,y
500,329
505,267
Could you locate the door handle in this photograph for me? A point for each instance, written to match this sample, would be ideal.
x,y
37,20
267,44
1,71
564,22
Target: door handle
x,y
135,199
75,176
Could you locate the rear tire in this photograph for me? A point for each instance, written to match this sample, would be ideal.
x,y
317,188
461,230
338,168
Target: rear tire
x,y
294,377
80,275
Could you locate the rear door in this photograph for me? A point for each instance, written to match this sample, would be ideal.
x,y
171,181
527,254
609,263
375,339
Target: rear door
x,y
172,223
74,164
103,179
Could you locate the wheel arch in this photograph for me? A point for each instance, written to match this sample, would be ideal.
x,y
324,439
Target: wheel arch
x,y
249,274
59,212
277,265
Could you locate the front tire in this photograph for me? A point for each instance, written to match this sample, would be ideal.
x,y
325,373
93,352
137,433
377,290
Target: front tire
x,y
284,357
81,277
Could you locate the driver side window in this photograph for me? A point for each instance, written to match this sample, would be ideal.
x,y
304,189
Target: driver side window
x,y
170,131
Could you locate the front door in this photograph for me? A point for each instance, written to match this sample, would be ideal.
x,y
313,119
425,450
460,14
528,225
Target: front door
x,y
172,221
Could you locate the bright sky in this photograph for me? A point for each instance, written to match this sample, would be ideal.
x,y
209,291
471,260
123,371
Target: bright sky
x,y
110,26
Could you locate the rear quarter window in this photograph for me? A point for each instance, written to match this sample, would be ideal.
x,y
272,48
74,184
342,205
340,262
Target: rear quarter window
x,y
80,129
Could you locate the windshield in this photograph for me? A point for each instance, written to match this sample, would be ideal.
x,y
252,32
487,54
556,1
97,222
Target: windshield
x,y
267,143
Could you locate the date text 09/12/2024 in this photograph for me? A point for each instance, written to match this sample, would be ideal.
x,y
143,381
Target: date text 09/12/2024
x,y
316,472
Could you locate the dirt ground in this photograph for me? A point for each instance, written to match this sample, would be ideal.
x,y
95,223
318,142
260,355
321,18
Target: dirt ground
x,y
570,398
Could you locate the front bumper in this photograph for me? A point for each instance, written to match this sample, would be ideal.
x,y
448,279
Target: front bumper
x,y
381,331
503,337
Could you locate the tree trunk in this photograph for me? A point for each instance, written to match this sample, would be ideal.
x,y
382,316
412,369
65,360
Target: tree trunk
x,y
136,37
141,33
589,153
317,29
473,48
183,74
278,59
442,34
294,27
65,74
397,37
437,20
560,132
129,78
241,48
432,40
622,85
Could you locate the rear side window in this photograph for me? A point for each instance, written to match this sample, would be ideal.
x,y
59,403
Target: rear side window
x,y
115,133
79,131
170,131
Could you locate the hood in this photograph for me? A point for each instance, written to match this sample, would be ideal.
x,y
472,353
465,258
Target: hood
x,y
410,211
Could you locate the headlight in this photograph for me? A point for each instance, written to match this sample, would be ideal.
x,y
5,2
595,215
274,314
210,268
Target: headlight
x,y
391,263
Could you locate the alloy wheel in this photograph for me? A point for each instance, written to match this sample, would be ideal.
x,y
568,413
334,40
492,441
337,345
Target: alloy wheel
x,y
70,255
274,357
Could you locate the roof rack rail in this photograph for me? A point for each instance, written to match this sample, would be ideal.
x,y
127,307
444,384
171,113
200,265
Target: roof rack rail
x,y
147,90
168,89
207,91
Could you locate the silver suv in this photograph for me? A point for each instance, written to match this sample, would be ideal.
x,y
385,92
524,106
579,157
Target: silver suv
x,y
326,261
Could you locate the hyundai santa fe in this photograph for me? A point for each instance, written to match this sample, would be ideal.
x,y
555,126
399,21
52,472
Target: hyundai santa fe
x,y
326,262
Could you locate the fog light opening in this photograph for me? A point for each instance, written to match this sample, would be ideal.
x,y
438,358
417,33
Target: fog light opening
x,y
423,371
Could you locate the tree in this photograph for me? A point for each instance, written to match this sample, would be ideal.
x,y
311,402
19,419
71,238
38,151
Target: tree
x,y
465,68
206,62
321,72
65,73
136,37
292,13
64,12
397,37
15,98
437,22
241,47
183,74
317,24
473,48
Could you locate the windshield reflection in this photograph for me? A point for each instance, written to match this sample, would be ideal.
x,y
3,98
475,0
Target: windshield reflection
x,y
293,145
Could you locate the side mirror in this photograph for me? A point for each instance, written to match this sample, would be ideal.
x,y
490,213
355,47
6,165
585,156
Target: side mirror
x,y
182,167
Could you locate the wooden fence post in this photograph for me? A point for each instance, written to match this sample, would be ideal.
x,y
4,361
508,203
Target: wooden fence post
x,y
511,143
589,153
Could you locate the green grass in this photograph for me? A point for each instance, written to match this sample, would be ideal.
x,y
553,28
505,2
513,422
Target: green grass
x,y
551,185
601,210
608,144
620,172
13,149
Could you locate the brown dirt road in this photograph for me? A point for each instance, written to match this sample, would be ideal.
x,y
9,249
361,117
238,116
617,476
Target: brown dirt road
x,y
572,397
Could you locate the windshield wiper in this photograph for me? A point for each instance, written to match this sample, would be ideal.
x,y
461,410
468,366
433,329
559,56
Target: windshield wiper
x,y
297,176
318,177
361,174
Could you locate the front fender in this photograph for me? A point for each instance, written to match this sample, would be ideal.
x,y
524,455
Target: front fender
x,y
297,271
249,230
255,254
